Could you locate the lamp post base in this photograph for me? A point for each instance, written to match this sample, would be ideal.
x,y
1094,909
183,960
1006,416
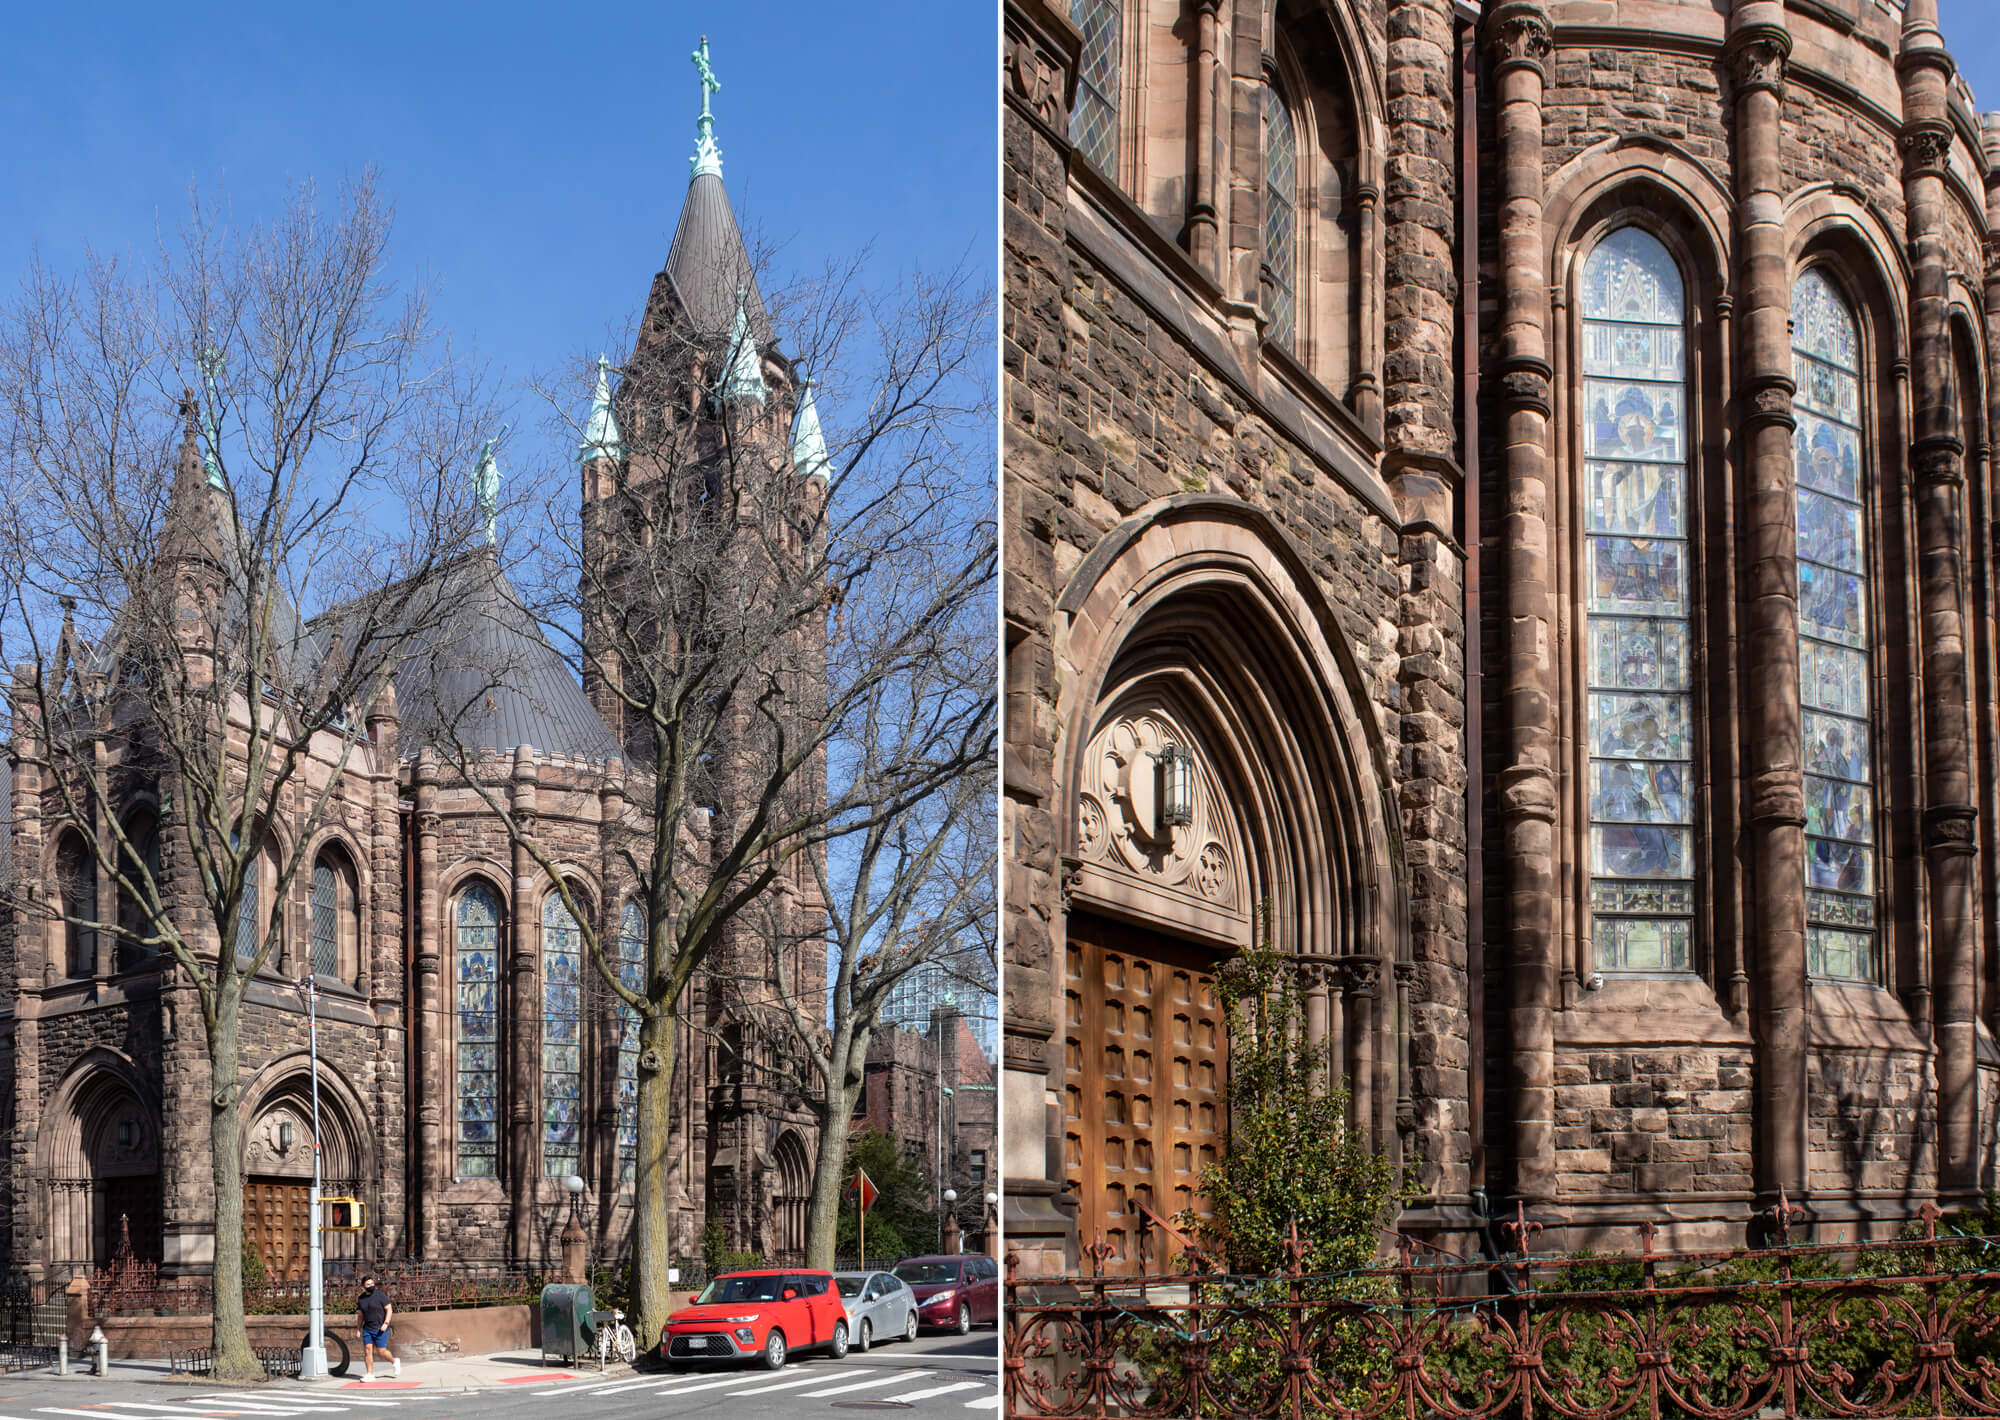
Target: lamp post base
x,y
312,1363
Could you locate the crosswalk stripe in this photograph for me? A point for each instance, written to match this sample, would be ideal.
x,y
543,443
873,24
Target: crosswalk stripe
x,y
864,1385
114,1412
985,1402
936,1390
611,1389
207,1407
781,1385
317,1402
691,1389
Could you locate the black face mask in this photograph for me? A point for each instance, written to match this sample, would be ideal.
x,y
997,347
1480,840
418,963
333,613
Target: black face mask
x,y
368,1289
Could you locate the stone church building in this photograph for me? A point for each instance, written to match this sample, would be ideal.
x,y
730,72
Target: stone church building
x,y
1499,504
471,1059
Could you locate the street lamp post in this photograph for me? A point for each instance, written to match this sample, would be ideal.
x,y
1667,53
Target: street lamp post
x,y
948,1224
993,1226
312,1356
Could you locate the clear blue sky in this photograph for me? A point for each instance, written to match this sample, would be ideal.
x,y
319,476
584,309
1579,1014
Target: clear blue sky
x,y
536,153
1972,33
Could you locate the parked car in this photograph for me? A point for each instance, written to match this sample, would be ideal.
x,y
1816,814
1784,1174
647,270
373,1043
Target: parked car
x,y
953,1291
766,1313
880,1307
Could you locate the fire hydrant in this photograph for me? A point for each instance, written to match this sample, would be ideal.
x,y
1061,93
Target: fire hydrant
x,y
100,1352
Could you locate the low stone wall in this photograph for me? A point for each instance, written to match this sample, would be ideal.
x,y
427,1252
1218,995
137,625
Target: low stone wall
x,y
468,1331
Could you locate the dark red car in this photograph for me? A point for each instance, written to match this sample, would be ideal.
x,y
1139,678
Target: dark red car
x,y
953,1291
767,1314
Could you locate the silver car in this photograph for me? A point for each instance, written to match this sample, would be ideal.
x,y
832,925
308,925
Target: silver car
x,y
880,1307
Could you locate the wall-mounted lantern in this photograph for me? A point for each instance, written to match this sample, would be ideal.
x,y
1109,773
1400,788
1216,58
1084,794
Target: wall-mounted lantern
x,y
1176,770
284,1136
126,1133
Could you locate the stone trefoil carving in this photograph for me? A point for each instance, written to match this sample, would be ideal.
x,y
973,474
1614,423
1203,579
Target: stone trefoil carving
x,y
1121,822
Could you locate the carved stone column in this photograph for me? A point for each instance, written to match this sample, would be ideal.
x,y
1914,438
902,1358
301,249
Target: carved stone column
x,y
524,1157
1984,521
1937,467
429,1020
1758,47
1518,35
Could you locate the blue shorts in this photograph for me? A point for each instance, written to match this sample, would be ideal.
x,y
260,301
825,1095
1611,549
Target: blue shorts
x,y
376,1337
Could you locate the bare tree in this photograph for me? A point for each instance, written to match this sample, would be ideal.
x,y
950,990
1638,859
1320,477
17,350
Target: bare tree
x,y
199,453
757,600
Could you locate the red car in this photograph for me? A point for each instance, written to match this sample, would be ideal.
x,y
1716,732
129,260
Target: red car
x,y
767,1314
953,1290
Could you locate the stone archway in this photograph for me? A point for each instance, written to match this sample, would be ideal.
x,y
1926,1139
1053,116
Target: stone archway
x,y
101,1156
791,1187
278,1170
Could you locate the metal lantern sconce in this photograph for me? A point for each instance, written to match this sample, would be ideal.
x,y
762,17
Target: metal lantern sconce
x,y
126,1133
284,1136
1176,769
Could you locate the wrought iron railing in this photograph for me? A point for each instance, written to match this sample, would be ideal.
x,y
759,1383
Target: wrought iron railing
x,y
1906,1328
137,1289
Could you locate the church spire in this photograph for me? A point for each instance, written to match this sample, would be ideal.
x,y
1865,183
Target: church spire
x,y
707,157
600,435
210,361
744,376
809,455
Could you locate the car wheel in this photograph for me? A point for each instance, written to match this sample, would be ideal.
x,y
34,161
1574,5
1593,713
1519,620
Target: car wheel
x,y
838,1347
910,1327
864,1336
964,1319
774,1350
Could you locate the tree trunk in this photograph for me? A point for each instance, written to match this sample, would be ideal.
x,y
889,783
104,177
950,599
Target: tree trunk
x,y
652,1208
234,1359
823,1213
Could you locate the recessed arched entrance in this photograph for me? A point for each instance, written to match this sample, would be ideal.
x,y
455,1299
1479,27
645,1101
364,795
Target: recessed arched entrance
x,y
790,1190
101,1152
278,1170
1222,783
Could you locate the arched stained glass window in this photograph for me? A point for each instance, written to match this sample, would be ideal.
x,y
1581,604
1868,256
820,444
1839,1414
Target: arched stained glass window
x,y
631,972
327,910
1281,215
1834,640
562,1040
1093,122
1636,588
76,883
477,949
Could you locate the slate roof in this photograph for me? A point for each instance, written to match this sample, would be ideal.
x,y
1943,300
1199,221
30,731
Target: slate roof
x,y
708,261
486,677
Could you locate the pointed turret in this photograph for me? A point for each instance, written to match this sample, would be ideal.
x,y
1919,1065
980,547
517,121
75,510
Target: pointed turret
x,y
192,529
809,455
707,263
600,435
743,377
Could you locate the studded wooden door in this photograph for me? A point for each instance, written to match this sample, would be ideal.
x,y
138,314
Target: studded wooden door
x,y
1145,1070
277,1221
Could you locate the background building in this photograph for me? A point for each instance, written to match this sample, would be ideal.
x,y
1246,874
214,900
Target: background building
x,y
1498,504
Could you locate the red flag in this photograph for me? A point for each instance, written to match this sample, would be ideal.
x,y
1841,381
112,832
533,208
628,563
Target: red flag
x,y
862,1185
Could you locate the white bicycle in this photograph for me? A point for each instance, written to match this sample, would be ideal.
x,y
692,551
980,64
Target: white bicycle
x,y
614,1339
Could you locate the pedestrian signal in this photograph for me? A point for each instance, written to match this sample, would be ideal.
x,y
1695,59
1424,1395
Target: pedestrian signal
x,y
341,1215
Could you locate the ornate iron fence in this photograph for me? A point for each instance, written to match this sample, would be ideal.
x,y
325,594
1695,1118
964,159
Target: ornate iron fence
x,y
1908,1328
137,1289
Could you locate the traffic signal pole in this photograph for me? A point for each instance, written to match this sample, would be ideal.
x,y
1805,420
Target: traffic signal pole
x,y
312,1356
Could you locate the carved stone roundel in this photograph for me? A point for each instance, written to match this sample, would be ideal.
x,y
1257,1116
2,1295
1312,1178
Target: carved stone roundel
x,y
1120,817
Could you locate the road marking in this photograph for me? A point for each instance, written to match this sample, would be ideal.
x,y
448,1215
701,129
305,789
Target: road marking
x,y
985,1402
864,1385
111,1412
709,1385
781,1385
937,1390
611,1389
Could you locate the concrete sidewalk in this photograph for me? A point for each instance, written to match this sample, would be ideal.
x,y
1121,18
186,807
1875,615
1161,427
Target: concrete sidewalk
x,y
493,1372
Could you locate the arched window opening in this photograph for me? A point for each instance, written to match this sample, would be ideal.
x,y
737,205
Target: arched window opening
x,y
562,1039
76,887
142,833
477,948
1640,701
632,973
250,918
1093,122
789,1199
335,918
1834,636
1281,215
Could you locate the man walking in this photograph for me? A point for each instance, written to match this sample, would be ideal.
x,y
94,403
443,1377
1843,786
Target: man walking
x,y
375,1309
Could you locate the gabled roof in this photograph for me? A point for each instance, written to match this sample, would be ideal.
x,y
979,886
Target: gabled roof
x,y
708,261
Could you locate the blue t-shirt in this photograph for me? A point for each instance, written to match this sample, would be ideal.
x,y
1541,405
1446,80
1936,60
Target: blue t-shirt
x,y
374,1308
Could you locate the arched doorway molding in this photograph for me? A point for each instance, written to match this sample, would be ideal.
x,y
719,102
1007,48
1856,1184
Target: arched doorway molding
x,y
277,1165
791,1185
99,1152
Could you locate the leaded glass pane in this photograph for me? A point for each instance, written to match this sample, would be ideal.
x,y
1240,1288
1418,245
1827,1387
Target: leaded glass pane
x,y
325,919
1834,636
249,923
632,974
1281,183
1640,707
1093,123
562,1031
477,953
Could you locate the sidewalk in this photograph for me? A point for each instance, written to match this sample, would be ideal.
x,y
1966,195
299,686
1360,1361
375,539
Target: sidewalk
x,y
460,1373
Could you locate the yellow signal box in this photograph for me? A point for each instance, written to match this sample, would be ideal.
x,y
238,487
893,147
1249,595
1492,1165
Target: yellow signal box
x,y
342,1215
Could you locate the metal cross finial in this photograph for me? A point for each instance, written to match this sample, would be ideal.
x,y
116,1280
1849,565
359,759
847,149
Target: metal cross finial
x,y
707,157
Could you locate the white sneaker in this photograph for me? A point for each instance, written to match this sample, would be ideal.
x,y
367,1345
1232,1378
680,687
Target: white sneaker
x,y
397,1362
367,1375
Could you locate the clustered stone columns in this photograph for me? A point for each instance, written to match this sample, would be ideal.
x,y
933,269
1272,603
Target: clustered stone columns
x,y
523,1157
1758,46
1937,466
1518,35
431,1022
1204,235
1982,524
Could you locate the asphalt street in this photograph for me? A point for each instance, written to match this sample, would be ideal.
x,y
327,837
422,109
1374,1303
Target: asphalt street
x,y
933,1377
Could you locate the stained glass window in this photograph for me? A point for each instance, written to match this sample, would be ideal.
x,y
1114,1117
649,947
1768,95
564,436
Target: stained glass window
x,y
562,1040
1093,123
632,972
249,919
1834,636
326,907
1640,714
1281,219
478,1007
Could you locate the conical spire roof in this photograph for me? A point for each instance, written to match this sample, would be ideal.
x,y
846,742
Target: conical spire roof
x,y
600,435
744,377
809,454
707,261
194,522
